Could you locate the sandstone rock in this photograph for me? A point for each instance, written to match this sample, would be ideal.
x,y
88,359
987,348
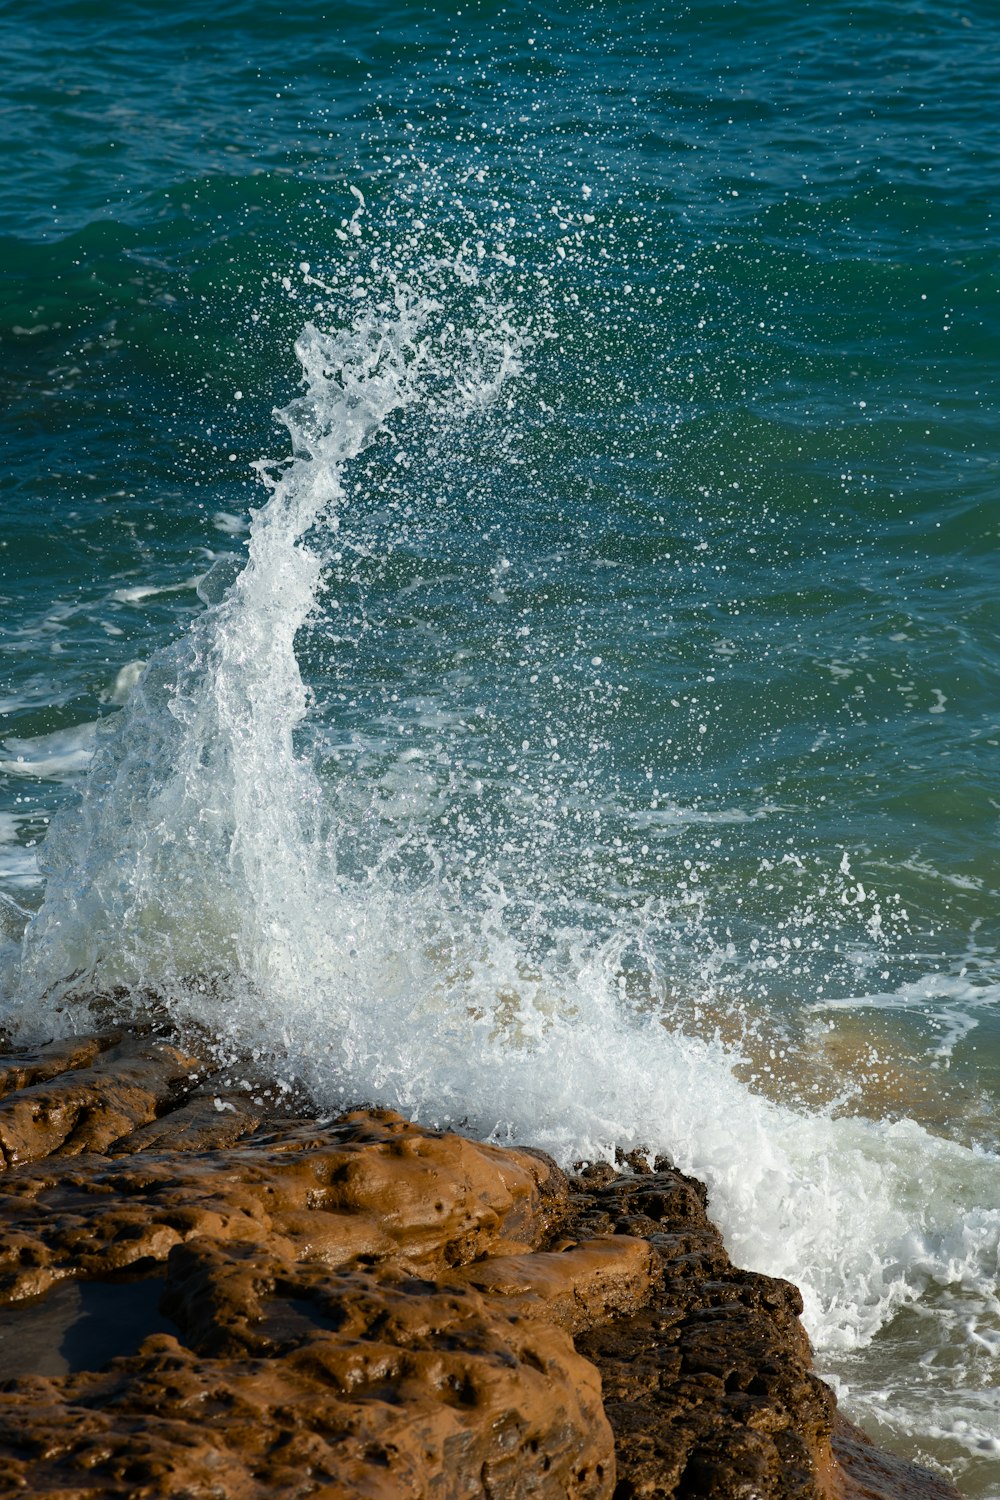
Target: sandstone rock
x,y
383,1386
324,1328
19,1070
580,1286
204,1123
369,1307
86,1108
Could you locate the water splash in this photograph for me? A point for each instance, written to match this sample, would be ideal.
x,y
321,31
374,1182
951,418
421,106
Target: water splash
x,y
209,865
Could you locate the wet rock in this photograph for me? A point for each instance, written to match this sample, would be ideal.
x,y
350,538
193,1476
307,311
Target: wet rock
x,y
370,1307
205,1122
578,1287
371,1185
708,1387
19,1070
863,1472
85,1108
418,1391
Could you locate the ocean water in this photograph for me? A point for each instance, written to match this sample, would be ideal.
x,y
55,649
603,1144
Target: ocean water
x,y
501,611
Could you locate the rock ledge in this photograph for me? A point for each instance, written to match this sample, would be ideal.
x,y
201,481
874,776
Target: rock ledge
x,y
198,1298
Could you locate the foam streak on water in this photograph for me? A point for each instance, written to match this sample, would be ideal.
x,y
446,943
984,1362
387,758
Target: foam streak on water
x,y
205,864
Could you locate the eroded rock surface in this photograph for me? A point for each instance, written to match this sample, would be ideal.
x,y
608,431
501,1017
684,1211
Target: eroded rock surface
x,y
368,1307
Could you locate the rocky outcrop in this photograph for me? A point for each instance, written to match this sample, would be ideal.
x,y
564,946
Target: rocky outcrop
x,y
201,1298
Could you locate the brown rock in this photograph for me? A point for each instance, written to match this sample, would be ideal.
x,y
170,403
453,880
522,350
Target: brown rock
x,y
19,1070
708,1387
372,1185
417,1391
580,1287
204,1123
89,1107
374,1308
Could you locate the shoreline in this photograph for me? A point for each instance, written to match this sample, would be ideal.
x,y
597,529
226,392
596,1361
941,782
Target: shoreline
x,y
199,1296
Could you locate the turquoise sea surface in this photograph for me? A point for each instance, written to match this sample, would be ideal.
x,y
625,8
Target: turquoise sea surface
x,y
501,611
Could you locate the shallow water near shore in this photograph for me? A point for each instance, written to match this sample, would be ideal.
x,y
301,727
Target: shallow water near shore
x,y
575,721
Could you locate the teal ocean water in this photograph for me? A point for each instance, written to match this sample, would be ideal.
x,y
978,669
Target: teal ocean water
x,y
500,599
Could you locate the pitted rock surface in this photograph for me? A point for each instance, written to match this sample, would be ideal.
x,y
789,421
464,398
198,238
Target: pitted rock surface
x,y
368,1307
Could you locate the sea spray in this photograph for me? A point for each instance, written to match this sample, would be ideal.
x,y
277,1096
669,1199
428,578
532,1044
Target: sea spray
x,y
192,858
211,868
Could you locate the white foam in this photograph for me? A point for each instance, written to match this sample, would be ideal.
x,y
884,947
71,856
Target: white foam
x,y
18,869
955,1004
19,866
207,863
960,882
670,815
50,757
124,682
231,525
139,593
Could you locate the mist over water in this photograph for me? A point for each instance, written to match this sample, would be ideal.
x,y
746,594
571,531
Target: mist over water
x,y
580,732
